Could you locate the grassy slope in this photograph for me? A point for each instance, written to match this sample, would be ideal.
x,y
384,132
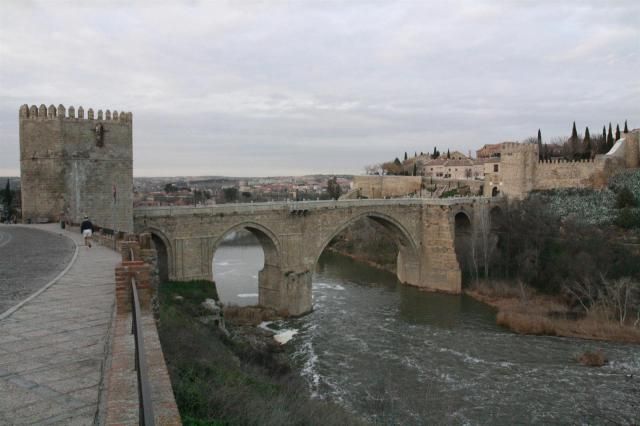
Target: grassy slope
x,y
588,206
231,381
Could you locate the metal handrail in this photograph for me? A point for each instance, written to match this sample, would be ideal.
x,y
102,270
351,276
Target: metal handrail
x,y
144,388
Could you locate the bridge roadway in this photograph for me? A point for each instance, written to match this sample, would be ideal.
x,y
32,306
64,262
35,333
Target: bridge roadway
x,y
293,235
53,348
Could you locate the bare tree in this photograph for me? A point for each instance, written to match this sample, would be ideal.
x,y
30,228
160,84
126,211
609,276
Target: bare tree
x,y
621,296
373,169
483,241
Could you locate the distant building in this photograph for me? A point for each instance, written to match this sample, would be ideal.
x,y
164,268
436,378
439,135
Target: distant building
x,y
492,150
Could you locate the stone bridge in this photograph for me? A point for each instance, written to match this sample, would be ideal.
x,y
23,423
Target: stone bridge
x,y
293,235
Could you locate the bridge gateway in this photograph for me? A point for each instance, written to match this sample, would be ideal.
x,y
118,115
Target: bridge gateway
x,y
293,236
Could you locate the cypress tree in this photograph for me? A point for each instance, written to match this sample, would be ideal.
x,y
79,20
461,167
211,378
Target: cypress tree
x,y
602,148
617,131
540,156
626,129
405,156
415,169
587,143
574,132
448,154
610,140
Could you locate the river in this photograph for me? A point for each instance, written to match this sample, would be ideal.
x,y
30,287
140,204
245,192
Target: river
x,y
395,355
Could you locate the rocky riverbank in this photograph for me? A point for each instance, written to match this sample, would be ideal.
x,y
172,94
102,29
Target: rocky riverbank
x,y
239,375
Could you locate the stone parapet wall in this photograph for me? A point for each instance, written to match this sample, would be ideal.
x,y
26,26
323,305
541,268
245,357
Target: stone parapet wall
x,y
122,385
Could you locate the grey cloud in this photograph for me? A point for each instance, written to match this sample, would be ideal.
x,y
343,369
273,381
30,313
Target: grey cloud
x,y
292,87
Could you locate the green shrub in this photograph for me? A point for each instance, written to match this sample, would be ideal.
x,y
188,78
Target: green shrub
x,y
628,179
625,198
219,380
586,206
450,193
628,218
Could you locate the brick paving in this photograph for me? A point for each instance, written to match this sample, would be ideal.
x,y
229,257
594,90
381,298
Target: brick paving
x,y
52,349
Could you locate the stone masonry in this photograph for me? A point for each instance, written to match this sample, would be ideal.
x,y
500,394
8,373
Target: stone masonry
x,y
522,172
294,235
76,166
122,391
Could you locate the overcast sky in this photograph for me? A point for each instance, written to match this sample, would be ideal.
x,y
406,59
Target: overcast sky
x,y
281,88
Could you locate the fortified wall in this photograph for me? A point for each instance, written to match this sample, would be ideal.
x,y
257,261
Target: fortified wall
x,y
75,166
521,171
387,186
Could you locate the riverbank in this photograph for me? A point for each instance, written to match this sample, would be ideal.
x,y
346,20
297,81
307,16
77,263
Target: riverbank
x,y
525,311
240,378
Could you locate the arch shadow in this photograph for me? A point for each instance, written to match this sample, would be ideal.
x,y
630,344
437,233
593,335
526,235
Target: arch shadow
x,y
408,260
164,251
463,240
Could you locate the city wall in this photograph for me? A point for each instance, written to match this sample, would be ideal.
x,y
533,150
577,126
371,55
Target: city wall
x,y
73,166
522,172
372,186
567,174
386,186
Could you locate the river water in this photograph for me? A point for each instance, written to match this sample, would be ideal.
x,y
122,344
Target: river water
x,y
396,355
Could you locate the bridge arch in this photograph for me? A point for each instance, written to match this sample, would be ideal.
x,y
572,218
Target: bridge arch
x,y
164,252
270,276
408,260
267,239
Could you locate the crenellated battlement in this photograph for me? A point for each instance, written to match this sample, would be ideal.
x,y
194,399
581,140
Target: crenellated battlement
x,y
34,112
563,161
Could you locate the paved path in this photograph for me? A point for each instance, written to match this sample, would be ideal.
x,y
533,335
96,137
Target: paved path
x,y
29,259
52,349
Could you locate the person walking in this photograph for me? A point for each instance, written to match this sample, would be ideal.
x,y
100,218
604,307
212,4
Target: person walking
x,y
86,227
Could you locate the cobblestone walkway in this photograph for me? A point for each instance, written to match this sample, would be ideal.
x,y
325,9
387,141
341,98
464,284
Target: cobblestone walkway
x,y
52,349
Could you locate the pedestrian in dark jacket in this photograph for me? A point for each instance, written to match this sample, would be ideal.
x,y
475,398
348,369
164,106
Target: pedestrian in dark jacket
x,y
86,228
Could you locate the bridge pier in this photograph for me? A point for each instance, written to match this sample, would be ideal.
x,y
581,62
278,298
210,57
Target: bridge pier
x,y
408,267
288,292
439,267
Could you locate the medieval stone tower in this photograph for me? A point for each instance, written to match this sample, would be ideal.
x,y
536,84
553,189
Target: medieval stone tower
x,y
518,163
77,166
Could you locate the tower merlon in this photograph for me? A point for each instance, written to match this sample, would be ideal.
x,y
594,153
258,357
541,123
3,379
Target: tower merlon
x,y
61,113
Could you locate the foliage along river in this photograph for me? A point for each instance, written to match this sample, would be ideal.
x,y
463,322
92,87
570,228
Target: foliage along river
x,y
396,355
